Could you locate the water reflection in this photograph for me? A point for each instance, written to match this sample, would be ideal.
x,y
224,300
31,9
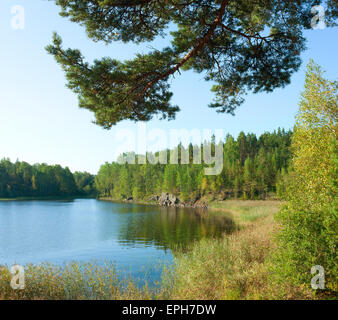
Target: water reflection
x,y
167,228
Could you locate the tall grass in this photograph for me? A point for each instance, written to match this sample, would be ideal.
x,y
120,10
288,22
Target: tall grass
x,y
71,282
233,267
245,211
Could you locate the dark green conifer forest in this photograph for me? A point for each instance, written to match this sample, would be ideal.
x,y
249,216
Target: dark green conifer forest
x,y
252,169
21,179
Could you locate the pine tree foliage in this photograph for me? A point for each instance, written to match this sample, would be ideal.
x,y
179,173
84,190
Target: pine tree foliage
x,y
240,46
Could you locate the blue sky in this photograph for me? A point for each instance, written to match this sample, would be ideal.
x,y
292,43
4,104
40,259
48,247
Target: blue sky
x,y
39,117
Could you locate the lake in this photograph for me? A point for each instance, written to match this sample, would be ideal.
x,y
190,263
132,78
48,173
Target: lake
x,y
138,239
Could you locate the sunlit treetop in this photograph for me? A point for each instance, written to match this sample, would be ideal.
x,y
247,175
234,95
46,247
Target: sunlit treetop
x,y
241,46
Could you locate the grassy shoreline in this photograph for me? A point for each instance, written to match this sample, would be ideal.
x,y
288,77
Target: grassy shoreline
x,y
238,265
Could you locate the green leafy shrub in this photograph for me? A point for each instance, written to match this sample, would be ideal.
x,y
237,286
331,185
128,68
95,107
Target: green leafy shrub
x,y
308,220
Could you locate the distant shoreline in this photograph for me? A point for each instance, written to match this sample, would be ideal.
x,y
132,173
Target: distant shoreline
x,y
215,205
47,198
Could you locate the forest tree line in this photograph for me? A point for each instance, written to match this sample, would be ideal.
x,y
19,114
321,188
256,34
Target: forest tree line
x,y
252,169
20,179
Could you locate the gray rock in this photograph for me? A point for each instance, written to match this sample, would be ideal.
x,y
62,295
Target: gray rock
x,y
167,200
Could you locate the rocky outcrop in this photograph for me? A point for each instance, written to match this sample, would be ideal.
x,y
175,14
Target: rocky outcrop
x,y
170,200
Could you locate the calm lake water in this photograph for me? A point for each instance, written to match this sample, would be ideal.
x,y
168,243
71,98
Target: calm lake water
x,y
136,238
